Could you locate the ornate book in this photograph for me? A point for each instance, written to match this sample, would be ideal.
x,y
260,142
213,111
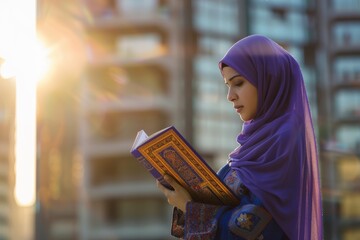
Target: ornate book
x,y
167,152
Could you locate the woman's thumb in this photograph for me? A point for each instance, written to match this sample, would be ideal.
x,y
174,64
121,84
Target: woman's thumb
x,y
171,181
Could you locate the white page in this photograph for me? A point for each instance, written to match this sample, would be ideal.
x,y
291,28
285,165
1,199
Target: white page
x,y
140,138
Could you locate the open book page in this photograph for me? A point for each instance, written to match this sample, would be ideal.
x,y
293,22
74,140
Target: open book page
x,y
140,138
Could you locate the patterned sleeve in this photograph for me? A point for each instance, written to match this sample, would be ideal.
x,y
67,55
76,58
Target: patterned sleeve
x,y
203,221
178,222
199,222
249,220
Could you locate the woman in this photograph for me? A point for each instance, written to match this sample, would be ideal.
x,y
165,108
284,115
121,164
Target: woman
x,y
274,170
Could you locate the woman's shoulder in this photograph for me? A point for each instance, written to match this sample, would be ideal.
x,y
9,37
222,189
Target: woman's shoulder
x,y
233,180
284,128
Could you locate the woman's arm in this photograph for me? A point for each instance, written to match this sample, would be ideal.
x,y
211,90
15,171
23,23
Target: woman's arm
x,y
192,220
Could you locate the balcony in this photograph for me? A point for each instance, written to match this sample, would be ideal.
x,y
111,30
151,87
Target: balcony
x,y
344,15
153,230
126,190
131,24
349,120
155,60
131,104
347,115
345,49
345,83
129,14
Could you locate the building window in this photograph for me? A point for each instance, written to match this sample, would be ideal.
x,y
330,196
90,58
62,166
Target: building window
x,y
346,34
213,115
346,5
348,137
215,16
289,26
347,104
347,69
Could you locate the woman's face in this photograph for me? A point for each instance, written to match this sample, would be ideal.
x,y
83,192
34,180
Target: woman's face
x,y
241,93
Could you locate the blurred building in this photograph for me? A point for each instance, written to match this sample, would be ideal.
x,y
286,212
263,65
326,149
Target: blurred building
x,y
324,36
7,177
292,24
339,79
59,167
149,64
132,81
212,27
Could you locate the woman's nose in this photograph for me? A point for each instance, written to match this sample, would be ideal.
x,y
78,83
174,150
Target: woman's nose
x,y
230,95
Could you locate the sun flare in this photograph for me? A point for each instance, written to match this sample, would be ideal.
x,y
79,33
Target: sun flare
x,y
25,60
33,61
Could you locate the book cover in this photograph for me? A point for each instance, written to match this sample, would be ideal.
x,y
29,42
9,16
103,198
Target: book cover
x,y
168,152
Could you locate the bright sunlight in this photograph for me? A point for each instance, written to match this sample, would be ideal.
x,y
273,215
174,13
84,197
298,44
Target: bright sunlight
x,y
24,60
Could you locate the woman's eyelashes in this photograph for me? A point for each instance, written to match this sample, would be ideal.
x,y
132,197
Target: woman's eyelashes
x,y
235,83
238,83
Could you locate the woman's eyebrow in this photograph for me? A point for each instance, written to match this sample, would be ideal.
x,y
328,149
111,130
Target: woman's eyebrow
x,y
231,78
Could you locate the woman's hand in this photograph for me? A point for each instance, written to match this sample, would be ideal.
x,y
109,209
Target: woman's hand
x,y
177,197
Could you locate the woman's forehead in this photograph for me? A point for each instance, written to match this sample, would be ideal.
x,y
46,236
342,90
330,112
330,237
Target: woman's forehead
x,y
229,73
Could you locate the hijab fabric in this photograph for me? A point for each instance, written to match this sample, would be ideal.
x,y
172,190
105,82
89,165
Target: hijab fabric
x,y
277,156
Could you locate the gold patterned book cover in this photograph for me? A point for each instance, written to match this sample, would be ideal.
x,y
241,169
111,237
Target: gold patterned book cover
x,y
168,152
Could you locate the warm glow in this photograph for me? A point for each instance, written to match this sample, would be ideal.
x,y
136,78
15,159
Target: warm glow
x,y
25,61
32,60
25,141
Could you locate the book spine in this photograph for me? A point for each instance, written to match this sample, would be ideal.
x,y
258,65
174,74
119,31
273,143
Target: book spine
x,y
150,168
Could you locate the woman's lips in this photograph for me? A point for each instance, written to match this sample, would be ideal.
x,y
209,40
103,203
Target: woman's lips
x,y
239,109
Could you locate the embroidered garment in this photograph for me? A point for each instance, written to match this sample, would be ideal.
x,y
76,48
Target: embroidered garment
x,y
248,221
277,156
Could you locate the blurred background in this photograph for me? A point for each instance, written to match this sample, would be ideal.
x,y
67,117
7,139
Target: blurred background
x,y
79,78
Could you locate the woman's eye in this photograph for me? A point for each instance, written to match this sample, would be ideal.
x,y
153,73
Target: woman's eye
x,y
238,84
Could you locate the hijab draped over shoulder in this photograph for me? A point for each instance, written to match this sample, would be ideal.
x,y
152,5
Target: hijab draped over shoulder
x,y
277,156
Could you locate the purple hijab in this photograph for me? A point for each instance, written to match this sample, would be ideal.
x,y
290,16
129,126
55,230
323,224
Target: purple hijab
x,y
277,156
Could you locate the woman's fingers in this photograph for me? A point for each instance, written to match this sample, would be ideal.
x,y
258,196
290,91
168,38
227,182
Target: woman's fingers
x,y
172,182
177,197
162,187
169,194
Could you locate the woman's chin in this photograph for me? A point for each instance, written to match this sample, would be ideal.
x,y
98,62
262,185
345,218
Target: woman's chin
x,y
243,118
